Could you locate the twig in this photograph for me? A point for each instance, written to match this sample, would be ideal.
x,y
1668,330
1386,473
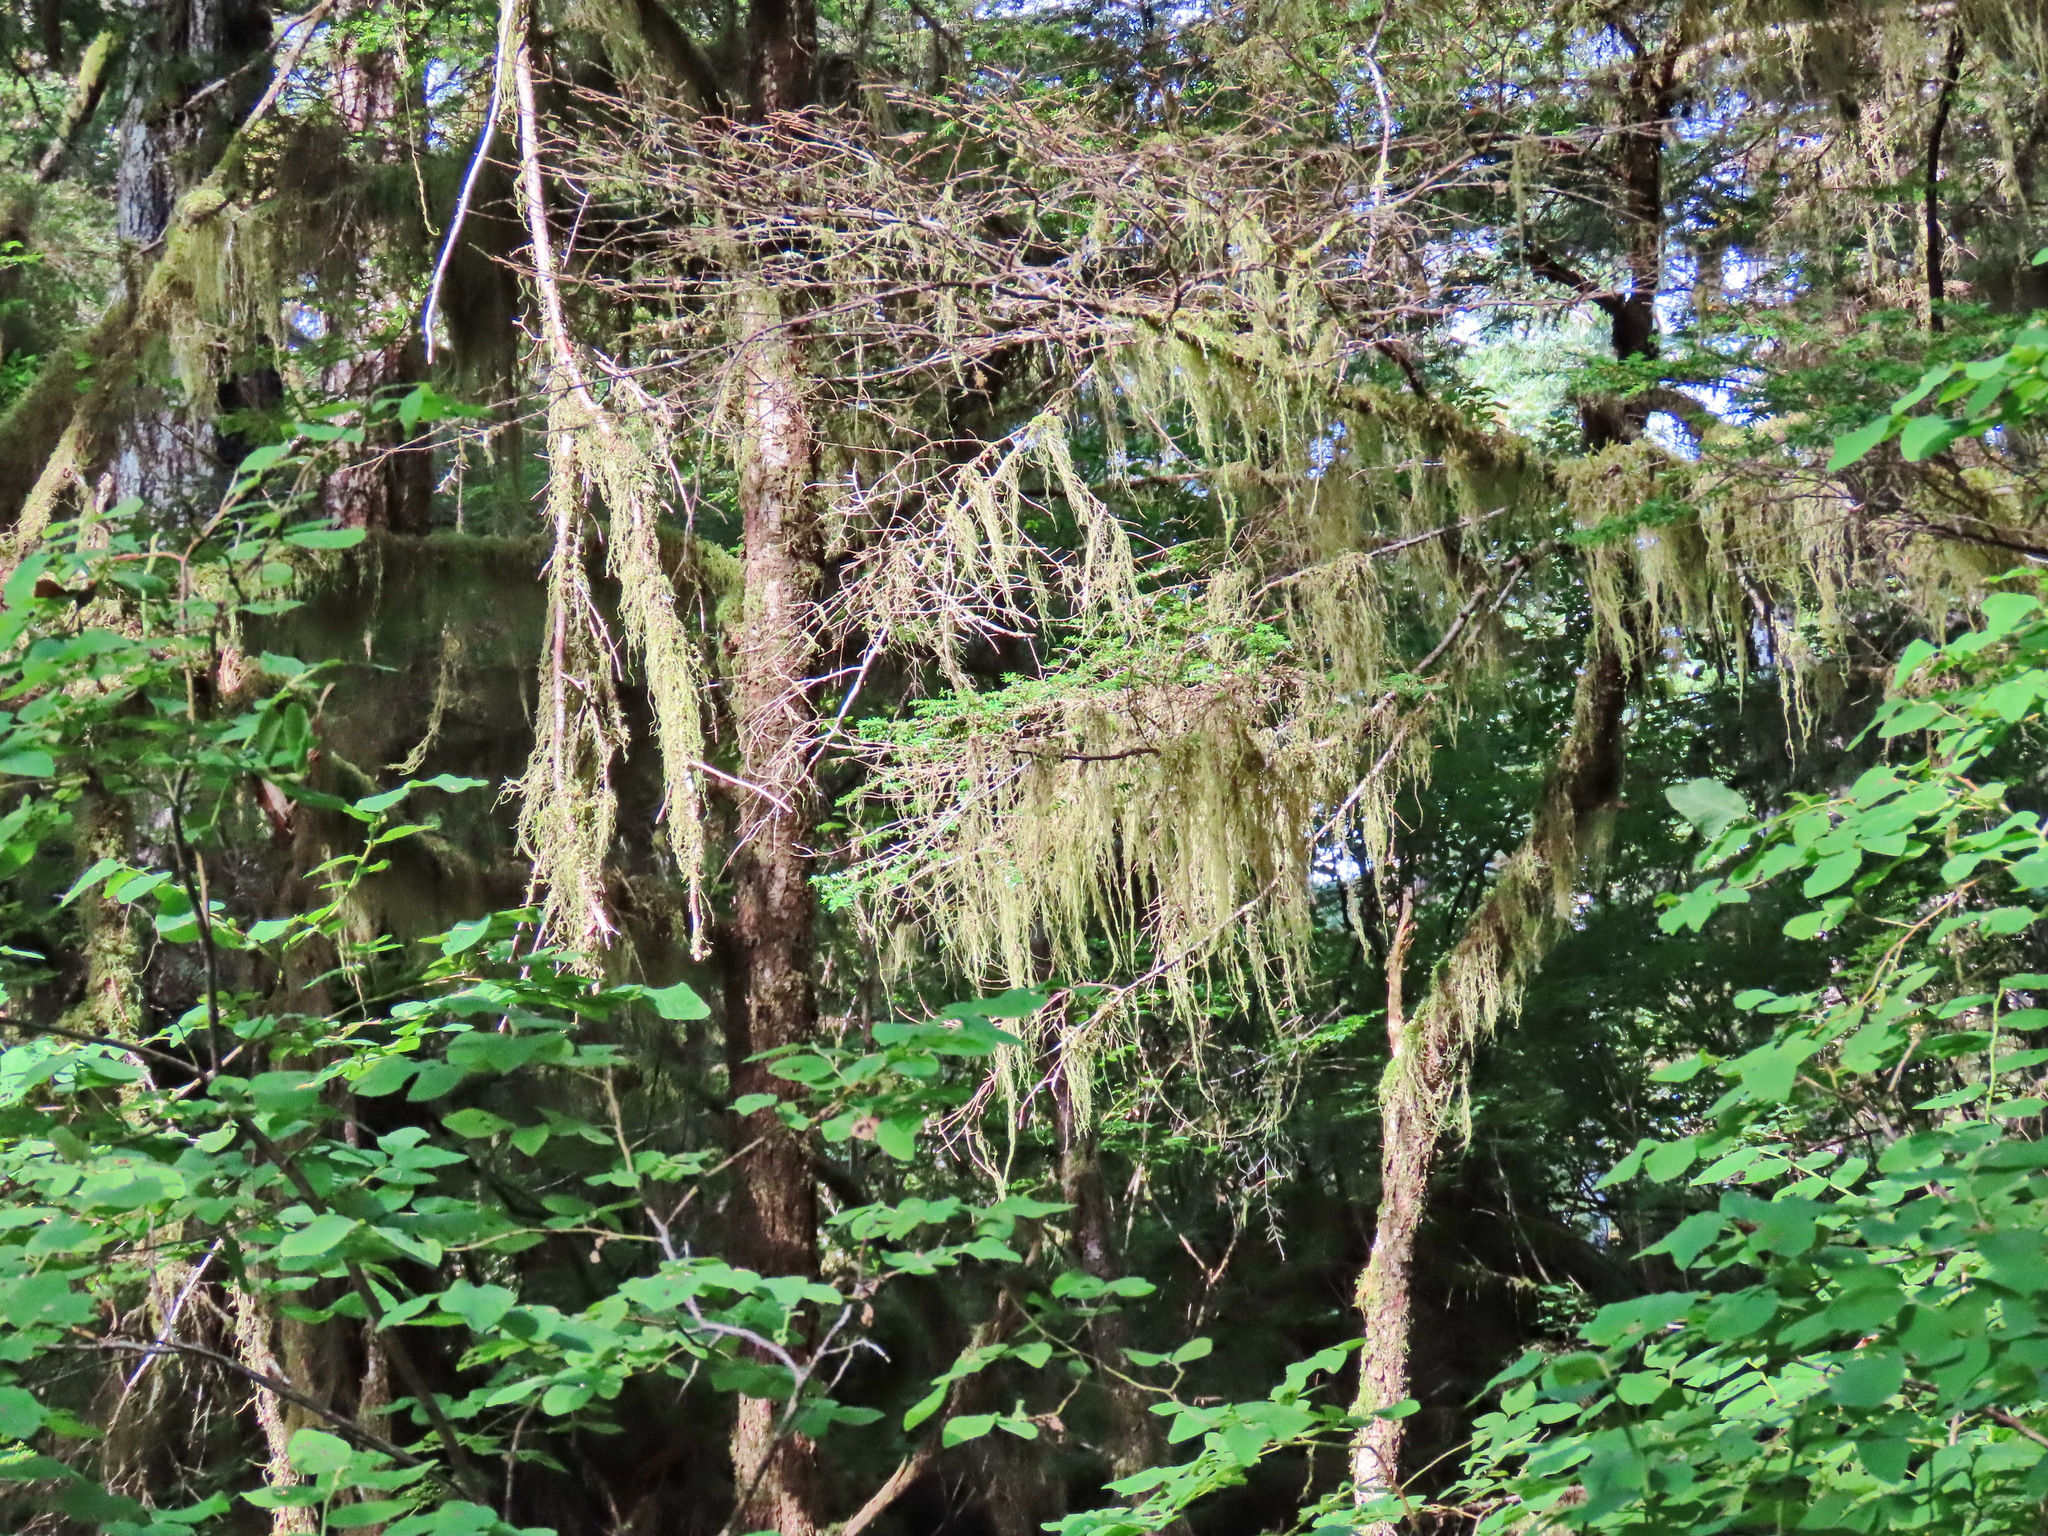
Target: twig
x,y
907,1472
2012,1423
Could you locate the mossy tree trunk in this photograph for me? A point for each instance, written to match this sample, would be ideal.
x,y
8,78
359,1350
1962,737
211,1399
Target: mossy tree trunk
x,y
388,481
771,1001
1481,977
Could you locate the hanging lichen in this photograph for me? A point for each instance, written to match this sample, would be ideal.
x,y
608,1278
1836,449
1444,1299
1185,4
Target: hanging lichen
x,y
567,804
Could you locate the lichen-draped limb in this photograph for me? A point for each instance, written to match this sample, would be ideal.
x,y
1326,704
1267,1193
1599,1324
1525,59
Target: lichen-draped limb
x,y
1143,792
1479,980
625,475
567,817
567,804
596,452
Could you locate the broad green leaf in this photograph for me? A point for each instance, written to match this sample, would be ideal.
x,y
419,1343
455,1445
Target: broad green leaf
x,y
678,1002
317,1453
1709,805
465,936
897,1136
973,1426
475,1123
325,538
479,1306
1623,1320
318,1237
20,1414
1691,1237
1925,436
349,1517
1833,872
1868,1380
1852,446
267,457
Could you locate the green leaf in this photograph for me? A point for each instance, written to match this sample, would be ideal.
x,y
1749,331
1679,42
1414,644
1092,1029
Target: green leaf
x,y
897,1136
20,1414
479,1306
1709,805
1868,1380
1632,1319
1833,872
1639,1389
2004,612
1666,1162
1574,1375
475,1122
45,1298
93,876
1691,1237
1685,1069
1741,1316
924,1408
1852,446
267,457
1885,1460
973,1426
435,1079
1017,1003
372,1512
1916,654
2017,1261
531,1138
565,1397
1908,718
317,1453
29,763
678,1002
1925,436
464,936
325,538
387,1074
320,1236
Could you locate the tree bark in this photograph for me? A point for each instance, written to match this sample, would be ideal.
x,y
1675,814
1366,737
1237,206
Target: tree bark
x,y
387,482
1482,977
770,1002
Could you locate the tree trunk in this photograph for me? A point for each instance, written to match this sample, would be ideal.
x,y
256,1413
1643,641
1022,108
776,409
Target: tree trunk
x,y
1481,978
104,425
387,482
1132,1439
771,1002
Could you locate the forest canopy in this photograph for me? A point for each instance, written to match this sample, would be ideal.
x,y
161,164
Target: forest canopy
x,y
963,768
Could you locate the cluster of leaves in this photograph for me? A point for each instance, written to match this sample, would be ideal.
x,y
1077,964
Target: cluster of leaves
x,y
1958,399
1866,1342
